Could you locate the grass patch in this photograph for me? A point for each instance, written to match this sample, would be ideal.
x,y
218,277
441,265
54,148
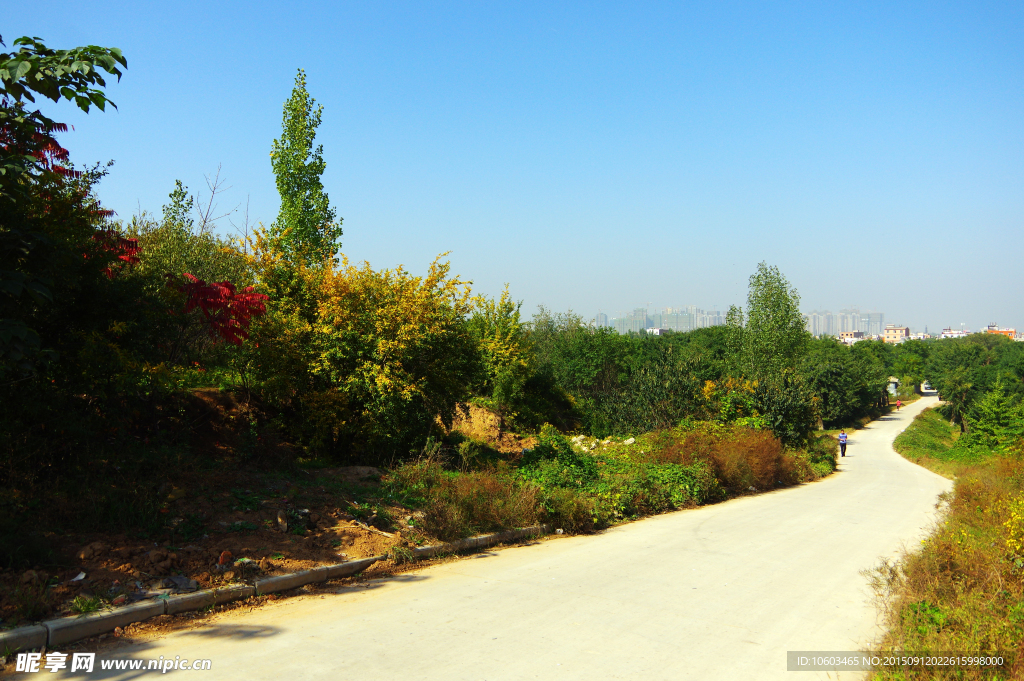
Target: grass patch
x,y
964,589
583,484
83,605
930,441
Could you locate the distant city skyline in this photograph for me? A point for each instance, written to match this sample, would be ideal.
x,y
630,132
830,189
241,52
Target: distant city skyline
x,y
819,322
683,319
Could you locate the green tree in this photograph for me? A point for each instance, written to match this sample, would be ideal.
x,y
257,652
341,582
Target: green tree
x,y
774,337
499,333
31,257
958,391
997,418
829,372
307,223
26,143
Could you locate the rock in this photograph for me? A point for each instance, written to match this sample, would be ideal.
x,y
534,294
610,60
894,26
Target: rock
x,y
229,575
282,521
265,564
629,441
30,577
314,517
559,531
93,550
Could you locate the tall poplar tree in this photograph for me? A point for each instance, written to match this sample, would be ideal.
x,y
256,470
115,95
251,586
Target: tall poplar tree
x,y
774,337
308,224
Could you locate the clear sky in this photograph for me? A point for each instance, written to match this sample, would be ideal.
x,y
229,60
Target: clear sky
x,y
600,156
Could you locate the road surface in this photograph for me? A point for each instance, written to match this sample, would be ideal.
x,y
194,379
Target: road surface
x,y
719,592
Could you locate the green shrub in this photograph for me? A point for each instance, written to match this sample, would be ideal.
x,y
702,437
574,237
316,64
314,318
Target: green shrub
x,y
552,462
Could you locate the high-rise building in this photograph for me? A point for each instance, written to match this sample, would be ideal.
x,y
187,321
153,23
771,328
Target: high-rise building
x,y
680,319
824,323
872,323
634,322
638,320
601,320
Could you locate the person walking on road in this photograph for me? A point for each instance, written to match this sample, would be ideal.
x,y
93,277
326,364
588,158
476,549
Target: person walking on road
x,y
898,405
842,442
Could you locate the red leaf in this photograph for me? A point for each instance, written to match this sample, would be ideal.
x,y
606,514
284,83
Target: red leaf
x,y
227,311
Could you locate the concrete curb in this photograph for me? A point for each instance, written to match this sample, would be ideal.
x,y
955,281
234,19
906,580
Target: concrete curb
x,y
68,629
480,541
320,574
23,638
348,569
291,581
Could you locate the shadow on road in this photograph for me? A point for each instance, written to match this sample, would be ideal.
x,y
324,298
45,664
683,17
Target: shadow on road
x,y
240,632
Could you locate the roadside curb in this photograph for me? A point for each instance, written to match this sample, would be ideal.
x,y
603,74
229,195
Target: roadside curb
x,y
480,541
75,628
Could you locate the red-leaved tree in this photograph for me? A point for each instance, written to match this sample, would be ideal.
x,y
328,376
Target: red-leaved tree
x,y
227,310
125,250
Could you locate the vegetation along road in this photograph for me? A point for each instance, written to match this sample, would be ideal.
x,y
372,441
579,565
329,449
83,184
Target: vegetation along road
x,y
722,591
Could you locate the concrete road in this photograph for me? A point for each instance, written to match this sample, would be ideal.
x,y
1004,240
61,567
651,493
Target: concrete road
x,y
720,592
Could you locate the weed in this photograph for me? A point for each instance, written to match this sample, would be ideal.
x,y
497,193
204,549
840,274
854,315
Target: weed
x,y
192,527
246,500
360,511
277,556
401,555
382,519
458,505
32,601
83,605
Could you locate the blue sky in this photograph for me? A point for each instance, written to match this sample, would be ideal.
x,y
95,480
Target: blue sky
x,y
600,156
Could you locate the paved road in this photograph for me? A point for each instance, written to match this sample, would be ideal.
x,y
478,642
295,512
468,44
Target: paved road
x,y
720,592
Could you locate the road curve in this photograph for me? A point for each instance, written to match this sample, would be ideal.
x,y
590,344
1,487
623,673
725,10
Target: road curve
x,y
719,592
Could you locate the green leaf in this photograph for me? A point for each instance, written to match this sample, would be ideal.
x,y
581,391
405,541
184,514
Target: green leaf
x,y
22,68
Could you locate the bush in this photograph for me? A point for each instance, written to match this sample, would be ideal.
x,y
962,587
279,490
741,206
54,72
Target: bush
x,y
741,457
364,362
554,463
458,505
571,510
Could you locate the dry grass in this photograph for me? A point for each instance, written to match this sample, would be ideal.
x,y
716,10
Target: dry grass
x,y
740,457
459,504
963,591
